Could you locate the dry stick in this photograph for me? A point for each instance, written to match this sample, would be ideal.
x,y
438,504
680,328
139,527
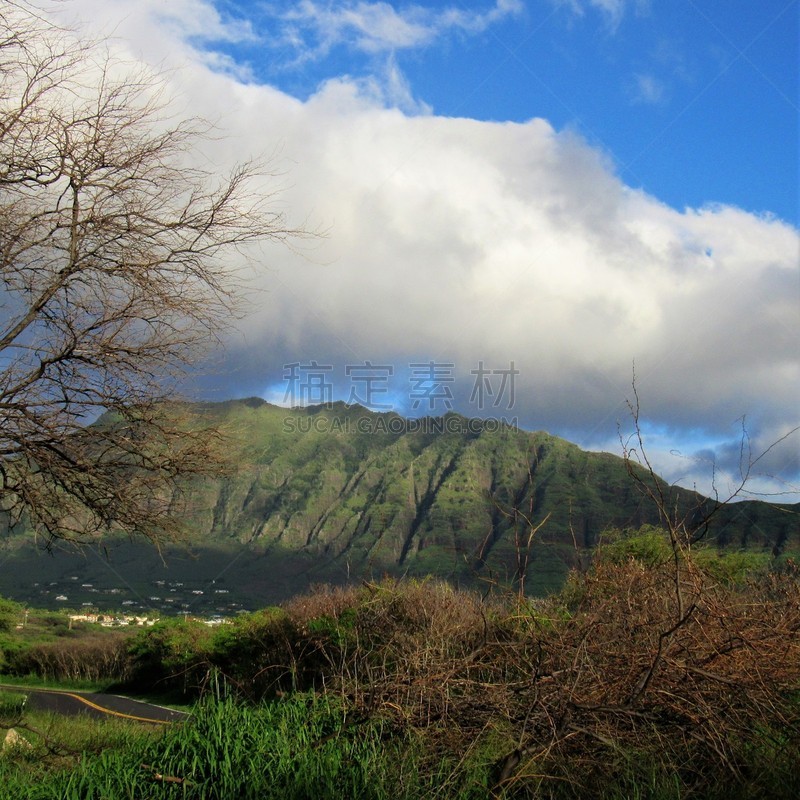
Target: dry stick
x,y
157,776
663,639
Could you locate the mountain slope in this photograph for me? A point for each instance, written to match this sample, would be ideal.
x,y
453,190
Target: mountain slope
x,y
339,492
352,490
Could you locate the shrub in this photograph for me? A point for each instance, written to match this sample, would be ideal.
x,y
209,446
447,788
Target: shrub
x,y
97,657
172,654
648,545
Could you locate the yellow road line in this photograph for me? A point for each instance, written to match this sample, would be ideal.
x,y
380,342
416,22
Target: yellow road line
x,y
111,711
86,701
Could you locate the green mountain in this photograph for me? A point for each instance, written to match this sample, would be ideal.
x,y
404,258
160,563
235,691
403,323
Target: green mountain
x,y
337,493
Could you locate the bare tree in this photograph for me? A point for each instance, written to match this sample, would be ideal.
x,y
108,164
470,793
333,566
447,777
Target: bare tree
x,y
685,515
523,523
115,270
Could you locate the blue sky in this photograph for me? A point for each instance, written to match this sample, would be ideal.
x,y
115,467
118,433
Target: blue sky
x,y
694,101
574,186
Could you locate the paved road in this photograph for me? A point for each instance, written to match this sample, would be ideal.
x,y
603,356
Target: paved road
x,y
97,705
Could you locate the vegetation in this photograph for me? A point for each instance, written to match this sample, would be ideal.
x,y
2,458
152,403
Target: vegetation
x,y
617,687
298,748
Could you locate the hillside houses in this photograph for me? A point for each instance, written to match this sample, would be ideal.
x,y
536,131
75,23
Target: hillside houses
x,y
113,621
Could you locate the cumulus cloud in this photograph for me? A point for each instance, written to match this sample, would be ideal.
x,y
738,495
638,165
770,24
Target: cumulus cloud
x,y
162,37
386,86
461,241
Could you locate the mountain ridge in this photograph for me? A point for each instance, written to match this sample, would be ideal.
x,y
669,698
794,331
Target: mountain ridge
x,y
337,492
349,484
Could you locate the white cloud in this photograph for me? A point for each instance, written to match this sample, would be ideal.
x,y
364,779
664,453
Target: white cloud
x,y
612,10
308,31
387,87
377,27
154,29
372,27
461,240
648,89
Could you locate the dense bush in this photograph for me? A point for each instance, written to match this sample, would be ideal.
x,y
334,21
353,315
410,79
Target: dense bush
x,y
98,657
10,614
171,653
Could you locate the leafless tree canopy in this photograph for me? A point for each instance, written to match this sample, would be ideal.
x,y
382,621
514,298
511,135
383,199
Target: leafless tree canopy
x,y
115,267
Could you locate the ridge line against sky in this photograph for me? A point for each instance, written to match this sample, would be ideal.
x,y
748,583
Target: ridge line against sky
x,y
569,185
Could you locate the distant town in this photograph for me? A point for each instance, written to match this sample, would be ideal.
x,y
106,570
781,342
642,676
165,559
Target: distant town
x,y
116,606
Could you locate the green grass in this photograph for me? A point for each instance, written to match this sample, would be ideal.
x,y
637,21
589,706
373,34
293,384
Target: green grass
x,y
56,747
303,747
12,705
